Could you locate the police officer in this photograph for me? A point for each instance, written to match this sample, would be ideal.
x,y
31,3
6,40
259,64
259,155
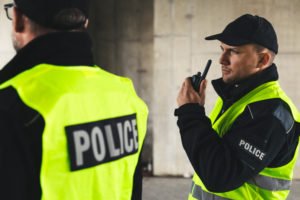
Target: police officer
x,y
247,147
69,130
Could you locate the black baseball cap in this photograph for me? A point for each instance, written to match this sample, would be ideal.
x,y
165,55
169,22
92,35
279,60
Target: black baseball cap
x,y
44,11
248,29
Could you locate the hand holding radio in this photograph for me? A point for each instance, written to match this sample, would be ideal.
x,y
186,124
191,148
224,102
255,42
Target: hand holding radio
x,y
189,92
198,78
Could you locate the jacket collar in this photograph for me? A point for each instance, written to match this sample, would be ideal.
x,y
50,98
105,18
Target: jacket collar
x,y
60,48
233,92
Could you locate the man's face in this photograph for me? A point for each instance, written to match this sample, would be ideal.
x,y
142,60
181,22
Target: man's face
x,y
14,34
238,62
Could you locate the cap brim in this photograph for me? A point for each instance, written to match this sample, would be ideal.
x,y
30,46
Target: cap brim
x,y
228,39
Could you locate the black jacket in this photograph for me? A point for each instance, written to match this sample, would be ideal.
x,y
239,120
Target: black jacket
x,y
22,127
222,163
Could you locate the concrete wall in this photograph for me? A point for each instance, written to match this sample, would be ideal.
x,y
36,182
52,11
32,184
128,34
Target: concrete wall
x,y
180,50
123,44
6,49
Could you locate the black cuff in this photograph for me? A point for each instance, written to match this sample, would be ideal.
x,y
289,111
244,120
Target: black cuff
x,y
190,108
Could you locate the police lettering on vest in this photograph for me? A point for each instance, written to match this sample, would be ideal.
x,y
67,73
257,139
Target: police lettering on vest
x,y
95,143
251,149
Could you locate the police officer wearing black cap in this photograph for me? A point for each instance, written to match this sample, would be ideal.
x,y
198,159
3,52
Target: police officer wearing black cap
x,y
247,147
69,130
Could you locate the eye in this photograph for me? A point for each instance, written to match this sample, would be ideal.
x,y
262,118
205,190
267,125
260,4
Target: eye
x,y
234,51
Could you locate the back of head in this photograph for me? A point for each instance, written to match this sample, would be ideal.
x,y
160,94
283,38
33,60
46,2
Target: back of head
x,y
55,14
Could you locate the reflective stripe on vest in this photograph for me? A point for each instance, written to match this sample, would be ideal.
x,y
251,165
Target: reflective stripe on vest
x,y
198,193
95,126
271,183
264,182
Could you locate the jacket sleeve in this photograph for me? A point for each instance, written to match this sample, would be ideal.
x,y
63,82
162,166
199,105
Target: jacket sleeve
x,y
20,148
138,181
224,164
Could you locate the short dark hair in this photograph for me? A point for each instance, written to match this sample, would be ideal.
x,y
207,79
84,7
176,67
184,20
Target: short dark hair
x,y
70,19
55,14
259,48
66,20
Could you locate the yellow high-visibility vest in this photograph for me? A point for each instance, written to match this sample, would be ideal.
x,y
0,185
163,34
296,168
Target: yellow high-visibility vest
x,y
270,183
95,126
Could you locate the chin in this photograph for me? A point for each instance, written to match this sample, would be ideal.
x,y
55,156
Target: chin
x,y
16,44
227,80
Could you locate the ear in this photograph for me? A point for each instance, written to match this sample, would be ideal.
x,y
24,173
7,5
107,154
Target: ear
x,y
264,60
86,24
18,21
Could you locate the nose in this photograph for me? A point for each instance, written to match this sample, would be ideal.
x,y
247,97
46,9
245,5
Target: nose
x,y
224,60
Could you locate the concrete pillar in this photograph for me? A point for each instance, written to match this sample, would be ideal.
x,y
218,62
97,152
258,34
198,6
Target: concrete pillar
x,y
122,32
180,51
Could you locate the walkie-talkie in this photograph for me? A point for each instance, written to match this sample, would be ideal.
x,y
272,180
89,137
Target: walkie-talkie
x,y
198,78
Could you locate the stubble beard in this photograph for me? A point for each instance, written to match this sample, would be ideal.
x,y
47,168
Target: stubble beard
x,y
16,44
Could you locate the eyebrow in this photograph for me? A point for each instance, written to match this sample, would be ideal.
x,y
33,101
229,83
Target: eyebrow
x,y
231,48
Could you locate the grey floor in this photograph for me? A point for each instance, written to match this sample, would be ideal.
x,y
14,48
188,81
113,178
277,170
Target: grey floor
x,y
168,188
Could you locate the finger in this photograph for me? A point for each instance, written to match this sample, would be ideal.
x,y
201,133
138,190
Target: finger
x,y
202,87
181,93
188,85
187,81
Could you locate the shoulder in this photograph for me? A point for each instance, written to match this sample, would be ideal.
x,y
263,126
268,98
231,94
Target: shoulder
x,y
125,88
116,81
276,109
